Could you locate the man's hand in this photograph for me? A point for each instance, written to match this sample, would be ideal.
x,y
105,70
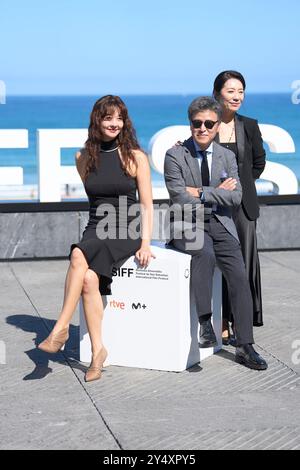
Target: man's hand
x,y
192,191
229,184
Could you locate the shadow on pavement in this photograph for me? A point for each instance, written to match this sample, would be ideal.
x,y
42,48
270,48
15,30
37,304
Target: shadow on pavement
x,y
42,327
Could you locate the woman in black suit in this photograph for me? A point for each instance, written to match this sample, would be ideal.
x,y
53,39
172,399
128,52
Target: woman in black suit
x,y
242,135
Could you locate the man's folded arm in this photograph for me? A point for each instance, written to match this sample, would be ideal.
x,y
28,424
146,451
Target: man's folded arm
x,y
175,182
224,197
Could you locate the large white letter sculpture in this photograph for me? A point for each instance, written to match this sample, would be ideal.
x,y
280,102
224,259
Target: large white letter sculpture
x,y
278,140
52,174
12,139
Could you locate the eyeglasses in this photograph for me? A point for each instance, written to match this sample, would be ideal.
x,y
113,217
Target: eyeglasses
x,y
196,123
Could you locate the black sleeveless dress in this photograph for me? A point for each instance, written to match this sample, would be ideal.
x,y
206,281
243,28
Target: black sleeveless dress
x,y
111,235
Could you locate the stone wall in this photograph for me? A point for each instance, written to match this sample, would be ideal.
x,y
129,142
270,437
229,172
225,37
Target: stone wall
x,y
27,235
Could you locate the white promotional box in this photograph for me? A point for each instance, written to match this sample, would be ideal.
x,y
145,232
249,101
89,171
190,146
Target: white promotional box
x,y
150,321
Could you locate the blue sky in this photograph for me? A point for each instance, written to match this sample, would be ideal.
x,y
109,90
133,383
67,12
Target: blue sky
x,y
146,47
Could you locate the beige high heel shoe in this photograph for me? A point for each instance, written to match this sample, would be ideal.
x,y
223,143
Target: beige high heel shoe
x,y
55,342
94,371
225,333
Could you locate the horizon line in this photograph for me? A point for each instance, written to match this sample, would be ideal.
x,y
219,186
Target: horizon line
x,y
138,94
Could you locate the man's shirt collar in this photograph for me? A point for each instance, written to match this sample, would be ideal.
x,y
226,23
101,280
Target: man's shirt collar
x,y
208,150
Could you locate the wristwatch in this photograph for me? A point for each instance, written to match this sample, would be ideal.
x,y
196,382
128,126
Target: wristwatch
x,y
200,192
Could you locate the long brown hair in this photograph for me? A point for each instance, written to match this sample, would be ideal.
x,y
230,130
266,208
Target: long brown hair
x,y
127,139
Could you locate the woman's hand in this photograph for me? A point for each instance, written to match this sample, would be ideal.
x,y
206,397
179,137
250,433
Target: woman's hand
x,y
178,143
144,256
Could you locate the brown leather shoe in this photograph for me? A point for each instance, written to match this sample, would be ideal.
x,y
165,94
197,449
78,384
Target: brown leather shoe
x,y
55,341
94,371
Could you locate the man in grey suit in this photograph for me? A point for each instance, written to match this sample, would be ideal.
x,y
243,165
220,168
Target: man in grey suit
x,y
202,175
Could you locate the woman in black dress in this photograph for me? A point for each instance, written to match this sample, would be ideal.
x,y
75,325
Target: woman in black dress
x,y
112,167
242,135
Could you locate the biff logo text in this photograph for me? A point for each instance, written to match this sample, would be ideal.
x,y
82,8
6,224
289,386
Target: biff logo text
x,y
123,272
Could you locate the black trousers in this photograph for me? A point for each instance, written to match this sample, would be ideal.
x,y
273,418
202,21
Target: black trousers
x,y
221,248
246,230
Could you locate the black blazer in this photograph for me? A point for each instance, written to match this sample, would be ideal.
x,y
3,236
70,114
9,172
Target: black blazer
x,y
251,160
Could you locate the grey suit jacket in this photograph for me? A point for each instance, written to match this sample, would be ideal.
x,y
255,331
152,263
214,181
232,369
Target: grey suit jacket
x,y
181,169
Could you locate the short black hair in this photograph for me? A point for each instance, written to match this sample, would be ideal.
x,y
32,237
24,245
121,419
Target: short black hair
x,y
222,78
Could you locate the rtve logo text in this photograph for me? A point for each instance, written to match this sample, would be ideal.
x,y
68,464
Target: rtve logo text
x,y
116,304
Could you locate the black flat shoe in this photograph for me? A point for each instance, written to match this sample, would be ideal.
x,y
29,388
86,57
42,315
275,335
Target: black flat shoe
x,y
226,340
247,356
207,337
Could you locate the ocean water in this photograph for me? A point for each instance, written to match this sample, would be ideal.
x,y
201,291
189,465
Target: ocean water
x,y
149,114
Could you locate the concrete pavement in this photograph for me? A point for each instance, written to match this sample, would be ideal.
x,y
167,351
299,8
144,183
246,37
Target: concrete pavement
x,y
45,403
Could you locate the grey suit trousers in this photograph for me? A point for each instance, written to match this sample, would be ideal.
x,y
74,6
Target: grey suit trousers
x,y
221,248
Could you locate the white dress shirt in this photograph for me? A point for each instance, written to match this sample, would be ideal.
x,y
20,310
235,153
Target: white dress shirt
x,y
209,152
